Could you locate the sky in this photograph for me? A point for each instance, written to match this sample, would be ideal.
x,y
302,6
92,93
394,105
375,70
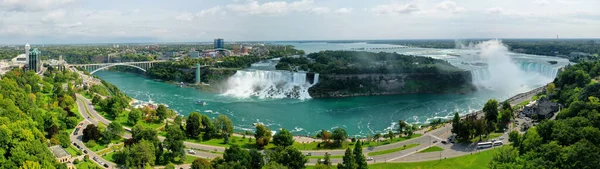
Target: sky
x,y
122,21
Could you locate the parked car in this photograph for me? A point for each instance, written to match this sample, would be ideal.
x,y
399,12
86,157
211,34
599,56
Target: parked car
x,y
85,151
435,141
308,154
106,165
191,151
444,142
95,158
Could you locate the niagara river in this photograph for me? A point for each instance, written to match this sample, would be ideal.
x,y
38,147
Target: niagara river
x,y
279,99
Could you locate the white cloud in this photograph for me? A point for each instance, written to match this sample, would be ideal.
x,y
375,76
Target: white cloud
x,y
344,10
272,8
449,6
494,10
212,11
73,25
54,16
186,16
32,5
320,10
395,9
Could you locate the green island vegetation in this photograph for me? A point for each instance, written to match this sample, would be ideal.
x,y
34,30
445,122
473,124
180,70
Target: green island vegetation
x,y
218,69
393,150
36,112
432,149
353,73
569,141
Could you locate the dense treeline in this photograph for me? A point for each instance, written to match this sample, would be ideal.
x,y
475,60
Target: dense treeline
x,y
221,68
35,113
570,141
354,62
495,120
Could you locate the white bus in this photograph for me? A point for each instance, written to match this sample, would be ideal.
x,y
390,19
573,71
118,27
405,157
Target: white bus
x,y
483,145
497,143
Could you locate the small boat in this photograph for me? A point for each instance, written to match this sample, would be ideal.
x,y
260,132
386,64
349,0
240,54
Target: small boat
x,y
181,84
201,102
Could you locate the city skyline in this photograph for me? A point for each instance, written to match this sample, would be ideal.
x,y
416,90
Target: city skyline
x,y
135,21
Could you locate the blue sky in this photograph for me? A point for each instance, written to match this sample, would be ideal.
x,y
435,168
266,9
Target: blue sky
x,y
112,21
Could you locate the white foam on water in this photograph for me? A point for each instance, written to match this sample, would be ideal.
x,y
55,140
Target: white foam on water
x,y
269,84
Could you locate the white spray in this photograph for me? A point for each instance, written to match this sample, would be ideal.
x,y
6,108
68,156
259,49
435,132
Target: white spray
x,y
502,74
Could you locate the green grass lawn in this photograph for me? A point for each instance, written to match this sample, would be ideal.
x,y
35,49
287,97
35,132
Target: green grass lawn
x,y
122,119
87,165
243,143
388,151
432,149
322,157
109,156
189,159
489,137
474,161
98,147
72,150
314,145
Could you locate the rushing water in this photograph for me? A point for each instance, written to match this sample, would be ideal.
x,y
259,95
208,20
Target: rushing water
x,y
359,115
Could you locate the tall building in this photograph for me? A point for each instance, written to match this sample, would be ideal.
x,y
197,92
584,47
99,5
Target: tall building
x,y
34,60
219,44
236,49
27,48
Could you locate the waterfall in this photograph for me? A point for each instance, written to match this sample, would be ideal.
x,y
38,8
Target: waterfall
x,y
269,84
316,79
542,69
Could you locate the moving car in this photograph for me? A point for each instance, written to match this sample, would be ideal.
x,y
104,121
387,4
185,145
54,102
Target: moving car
x,y
369,158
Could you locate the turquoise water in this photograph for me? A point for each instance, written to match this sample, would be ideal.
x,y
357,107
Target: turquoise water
x,y
359,115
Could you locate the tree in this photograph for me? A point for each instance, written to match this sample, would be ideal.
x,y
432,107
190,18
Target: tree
x,y
161,112
193,124
390,135
134,116
262,135
201,163
401,126
348,161
550,89
324,135
283,138
491,110
174,141
90,132
359,157
339,135
209,128
293,158
115,129
140,132
505,158
64,139
237,154
256,159
377,136
274,165
224,125
515,138
456,123
96,99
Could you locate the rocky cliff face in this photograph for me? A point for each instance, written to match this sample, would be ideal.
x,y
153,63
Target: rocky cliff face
x,y
331,85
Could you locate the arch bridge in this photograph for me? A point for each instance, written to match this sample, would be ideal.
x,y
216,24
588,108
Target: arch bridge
x,y
93,68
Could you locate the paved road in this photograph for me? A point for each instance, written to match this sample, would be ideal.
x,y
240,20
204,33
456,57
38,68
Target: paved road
x,y
77,138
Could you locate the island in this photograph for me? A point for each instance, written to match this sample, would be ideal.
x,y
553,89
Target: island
x,y
357,73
